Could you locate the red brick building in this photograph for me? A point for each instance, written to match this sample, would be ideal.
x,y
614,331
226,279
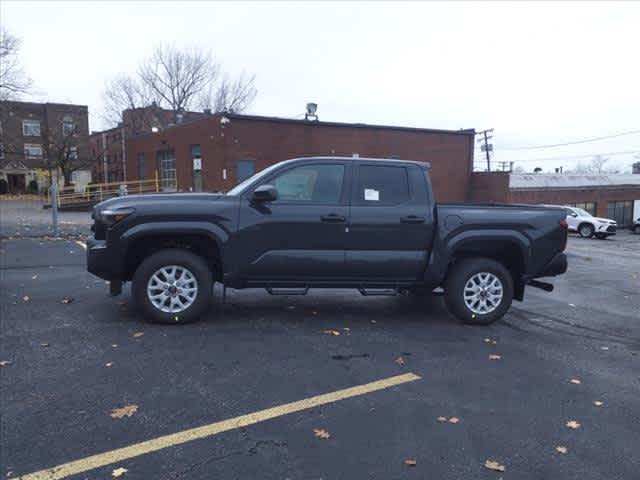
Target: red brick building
x,y
229,147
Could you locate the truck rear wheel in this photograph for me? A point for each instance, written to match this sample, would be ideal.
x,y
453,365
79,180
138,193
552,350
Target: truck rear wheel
x,y
172,286
478,291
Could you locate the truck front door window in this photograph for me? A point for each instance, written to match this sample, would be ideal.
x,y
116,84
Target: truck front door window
x,y
312,183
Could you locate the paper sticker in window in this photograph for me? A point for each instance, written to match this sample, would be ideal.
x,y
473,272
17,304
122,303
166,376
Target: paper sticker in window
x,y
371,195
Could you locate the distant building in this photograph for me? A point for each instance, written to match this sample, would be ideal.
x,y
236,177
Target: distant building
x,y
108,146
615,196
31,133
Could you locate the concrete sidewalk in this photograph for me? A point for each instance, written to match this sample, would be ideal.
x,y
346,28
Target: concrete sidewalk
x,y
28,218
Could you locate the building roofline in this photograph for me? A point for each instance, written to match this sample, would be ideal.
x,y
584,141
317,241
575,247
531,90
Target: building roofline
x,y
46,103
260,118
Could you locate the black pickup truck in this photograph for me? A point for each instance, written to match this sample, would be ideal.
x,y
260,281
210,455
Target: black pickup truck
x,y
321,222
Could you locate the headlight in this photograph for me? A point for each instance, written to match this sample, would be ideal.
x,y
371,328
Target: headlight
x,y
111,217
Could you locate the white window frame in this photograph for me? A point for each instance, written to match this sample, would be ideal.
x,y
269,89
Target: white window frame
x,y
32,146
27,124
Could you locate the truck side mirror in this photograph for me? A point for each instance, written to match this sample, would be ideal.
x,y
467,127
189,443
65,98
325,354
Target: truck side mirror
x,y
265,193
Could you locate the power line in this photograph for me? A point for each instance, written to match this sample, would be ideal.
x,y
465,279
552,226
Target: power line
x,y
576,142
569,157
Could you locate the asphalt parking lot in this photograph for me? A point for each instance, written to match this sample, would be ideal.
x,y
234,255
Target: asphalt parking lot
x,y
71,355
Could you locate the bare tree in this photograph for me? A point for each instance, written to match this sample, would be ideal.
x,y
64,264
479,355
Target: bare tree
x,y
229,95
177,77
178,80
596,166
13,80
66,150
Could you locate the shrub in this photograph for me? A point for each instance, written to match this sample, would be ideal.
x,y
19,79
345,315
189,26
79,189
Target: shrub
x,y
4,186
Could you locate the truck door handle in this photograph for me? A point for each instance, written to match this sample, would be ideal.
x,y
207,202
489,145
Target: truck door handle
x,y
333,218
412,219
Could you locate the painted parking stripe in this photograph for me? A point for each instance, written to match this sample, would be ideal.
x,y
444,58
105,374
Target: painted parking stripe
x,y
82,244
153,445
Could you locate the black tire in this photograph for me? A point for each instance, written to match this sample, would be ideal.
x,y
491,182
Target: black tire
x,y
458,277
585,230
164,258
636,229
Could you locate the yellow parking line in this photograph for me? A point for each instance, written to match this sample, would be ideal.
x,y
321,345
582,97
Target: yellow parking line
x,y
153,445
82,244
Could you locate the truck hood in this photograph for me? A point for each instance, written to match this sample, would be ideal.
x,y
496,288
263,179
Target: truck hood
x,y
133,201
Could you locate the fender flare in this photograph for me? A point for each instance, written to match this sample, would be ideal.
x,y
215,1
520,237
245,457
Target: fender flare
x,y
210,230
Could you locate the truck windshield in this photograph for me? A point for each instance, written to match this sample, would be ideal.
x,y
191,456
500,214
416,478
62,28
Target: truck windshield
x,y
239,189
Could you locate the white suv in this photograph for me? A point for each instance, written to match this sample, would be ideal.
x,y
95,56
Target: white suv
x,y
587,225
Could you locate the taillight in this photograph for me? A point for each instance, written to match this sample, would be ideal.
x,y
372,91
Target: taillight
x,y
565,227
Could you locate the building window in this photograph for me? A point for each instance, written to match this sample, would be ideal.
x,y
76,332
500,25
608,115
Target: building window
x,y
68,127
31,128
1,150
140,166
382,185
167,167
590,207
245,169
32,150
621,212
195,151
73,153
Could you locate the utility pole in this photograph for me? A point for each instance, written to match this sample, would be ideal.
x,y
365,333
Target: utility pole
x,y
486,147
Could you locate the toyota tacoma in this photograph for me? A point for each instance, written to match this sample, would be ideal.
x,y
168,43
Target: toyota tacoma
x,y
369,224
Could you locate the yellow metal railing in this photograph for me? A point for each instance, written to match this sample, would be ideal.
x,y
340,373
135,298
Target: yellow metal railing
x,y
98,192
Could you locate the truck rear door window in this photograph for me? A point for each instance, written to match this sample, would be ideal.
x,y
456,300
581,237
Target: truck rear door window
x,y
382,185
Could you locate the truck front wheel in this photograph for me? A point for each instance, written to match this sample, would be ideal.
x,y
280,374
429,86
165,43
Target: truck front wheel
x,y
172,286
478,291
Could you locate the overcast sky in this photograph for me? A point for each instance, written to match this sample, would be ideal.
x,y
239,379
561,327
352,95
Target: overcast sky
x,y
538,73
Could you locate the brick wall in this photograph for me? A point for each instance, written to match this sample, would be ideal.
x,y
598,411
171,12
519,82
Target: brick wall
x,y
267,141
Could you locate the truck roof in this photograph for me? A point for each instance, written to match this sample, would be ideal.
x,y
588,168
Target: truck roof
x,y
364,159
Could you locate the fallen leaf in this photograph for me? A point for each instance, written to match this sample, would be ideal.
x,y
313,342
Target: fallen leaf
x,y
331,332
314,313
487,340
454,420
572,305
492,465
346,329
4,363
573,424
44,344
26,298
115,345
494,357
321,433
66,300
410,462
604,348
442,419
127,410
34,277
108,364
138,334
400,361
373,321
598,403
493,342
561,449
118,472
575,381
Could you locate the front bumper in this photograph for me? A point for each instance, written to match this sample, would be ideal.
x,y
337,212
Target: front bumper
x,y
607,229
98,261
557,266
